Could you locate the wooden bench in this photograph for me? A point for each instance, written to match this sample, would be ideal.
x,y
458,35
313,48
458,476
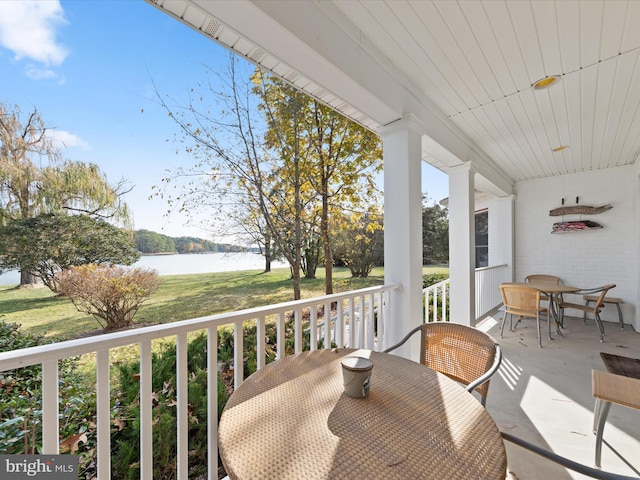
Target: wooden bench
x,y
608,388
617,301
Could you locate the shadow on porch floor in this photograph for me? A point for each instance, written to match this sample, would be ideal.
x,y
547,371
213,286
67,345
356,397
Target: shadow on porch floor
x,y
543,395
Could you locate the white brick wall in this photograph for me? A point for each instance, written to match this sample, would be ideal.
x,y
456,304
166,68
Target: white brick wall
x,y
589,258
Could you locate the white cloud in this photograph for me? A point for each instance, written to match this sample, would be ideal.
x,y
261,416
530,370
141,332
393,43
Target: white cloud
x,y
28,29
36,73
66,139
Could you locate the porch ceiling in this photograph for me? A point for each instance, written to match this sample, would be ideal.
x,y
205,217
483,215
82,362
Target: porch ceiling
x,y
469,65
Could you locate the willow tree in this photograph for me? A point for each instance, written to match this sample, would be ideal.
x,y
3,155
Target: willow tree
x,y
35,179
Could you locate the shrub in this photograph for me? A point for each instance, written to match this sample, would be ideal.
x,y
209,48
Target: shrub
x,y
110,293
21,405
126,441
433,278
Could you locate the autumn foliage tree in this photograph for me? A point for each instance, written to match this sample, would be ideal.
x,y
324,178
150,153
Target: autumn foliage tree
x,y
276,159
112,294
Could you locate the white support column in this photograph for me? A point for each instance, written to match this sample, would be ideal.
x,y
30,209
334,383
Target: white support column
x,y
462,253
403,226
502,233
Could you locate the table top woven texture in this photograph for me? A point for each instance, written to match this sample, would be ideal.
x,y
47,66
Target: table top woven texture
x,y
291,420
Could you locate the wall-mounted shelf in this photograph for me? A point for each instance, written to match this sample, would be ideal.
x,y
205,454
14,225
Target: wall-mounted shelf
x,y
579,210
575,226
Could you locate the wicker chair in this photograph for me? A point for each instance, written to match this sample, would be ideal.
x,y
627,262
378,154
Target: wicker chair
x,y
594,308
525,302
463,353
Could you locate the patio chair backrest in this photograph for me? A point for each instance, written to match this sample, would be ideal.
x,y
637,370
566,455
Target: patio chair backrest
x,y
538,277
603,293
520,299
463,353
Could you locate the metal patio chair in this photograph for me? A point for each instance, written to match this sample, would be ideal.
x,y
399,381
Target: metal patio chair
x,y
594,308
524,302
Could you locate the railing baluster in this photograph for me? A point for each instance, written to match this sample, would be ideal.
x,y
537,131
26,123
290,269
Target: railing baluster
x,y
212,403
182,375
435,303
103,414
297,331
445,302
352,323
260,341
238,353
146,431
327,325
361,320
50,406
369,323
339,326
313,327
280,353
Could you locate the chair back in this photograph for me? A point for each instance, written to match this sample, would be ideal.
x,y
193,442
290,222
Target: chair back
x,y
520,299
458,351
538,277
603,294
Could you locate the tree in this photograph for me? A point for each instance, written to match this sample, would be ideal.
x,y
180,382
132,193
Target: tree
x,y
48,244
34,179
113,294
283,174
435,233
346,156
360,246
152,242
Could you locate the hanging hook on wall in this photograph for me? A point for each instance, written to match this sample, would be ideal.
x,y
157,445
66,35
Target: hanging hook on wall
x,y
563,201
576,199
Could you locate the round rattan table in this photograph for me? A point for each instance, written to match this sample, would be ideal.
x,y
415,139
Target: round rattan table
x,y
292,420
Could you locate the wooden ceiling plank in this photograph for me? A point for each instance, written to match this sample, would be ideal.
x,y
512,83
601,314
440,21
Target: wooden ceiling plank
x,y
439,87
626,136
527,38
443,51
502,25
589,85
631,35
568,13
602,109
613,21
474,69
591,14
518,139
546,23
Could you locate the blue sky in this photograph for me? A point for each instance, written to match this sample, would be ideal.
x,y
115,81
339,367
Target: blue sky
x,y
89,68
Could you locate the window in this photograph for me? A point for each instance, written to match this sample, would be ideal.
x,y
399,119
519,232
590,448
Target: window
x,y
482,238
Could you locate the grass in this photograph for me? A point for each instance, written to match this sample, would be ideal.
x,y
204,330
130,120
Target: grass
x,y
180,297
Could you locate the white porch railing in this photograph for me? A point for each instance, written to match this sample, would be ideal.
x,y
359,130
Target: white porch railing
x,y
359,319
488,279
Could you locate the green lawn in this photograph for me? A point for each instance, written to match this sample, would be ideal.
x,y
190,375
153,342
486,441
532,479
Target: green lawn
x,y
179,297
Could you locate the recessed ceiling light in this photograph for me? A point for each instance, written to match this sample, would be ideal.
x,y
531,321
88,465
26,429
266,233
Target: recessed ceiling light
x,y
546,82
560,148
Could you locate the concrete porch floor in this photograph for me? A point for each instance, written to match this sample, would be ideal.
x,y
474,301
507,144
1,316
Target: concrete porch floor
x,y
543,395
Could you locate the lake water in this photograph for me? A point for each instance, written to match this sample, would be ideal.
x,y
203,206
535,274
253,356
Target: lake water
x,y
184,264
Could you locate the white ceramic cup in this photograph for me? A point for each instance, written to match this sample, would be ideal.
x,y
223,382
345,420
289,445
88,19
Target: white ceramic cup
x,y
356,375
